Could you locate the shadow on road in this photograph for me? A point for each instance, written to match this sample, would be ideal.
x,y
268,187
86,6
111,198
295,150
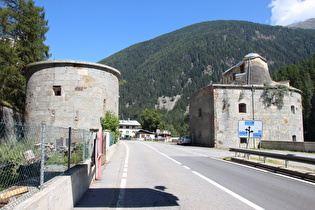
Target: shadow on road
x,y
129,197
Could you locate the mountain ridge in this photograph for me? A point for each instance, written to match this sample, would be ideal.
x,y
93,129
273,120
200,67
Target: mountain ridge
x,y
187,59
308,24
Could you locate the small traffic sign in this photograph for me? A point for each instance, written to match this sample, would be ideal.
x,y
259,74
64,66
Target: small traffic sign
x,y
250,129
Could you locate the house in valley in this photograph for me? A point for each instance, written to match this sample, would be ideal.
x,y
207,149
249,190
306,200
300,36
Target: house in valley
x,y
128,128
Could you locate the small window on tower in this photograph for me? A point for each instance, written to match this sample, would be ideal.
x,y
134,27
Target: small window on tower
x,y
242,68
242,108
57,90
243,140
294,138
199,112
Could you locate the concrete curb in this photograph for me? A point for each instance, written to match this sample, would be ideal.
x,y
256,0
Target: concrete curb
x,y
64,191
276,168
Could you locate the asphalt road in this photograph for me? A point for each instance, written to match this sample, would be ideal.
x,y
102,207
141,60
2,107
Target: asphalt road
x,y
150,175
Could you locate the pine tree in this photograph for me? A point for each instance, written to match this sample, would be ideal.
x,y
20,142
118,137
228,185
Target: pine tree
x,y
29,32
10,76
22,33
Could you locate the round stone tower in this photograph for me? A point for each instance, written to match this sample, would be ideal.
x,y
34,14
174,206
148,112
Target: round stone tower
x,y
252,70
70,93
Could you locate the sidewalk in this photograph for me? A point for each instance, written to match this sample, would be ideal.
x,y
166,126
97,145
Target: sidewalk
x,y
103,193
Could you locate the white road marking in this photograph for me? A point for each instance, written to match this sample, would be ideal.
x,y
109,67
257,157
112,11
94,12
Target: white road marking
x,y
175,161
186,167
251,167
266,171
123,181
244,200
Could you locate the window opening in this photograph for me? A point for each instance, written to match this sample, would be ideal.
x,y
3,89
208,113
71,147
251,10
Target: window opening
x,y
294,138
243,140
57,90
199,112
242,68
242,108
293,109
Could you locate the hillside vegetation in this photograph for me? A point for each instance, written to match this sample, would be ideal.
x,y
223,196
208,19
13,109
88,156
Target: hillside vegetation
x,y
302,76
181,62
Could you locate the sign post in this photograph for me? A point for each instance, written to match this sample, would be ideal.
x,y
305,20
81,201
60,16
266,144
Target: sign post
x,y
250,129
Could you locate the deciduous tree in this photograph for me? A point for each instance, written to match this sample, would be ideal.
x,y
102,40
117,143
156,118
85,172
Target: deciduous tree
x,y
150,119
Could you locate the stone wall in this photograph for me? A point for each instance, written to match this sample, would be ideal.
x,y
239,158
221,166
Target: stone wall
x,y
70,93
9,115
201,117
222,115
252,70
291,146
279,123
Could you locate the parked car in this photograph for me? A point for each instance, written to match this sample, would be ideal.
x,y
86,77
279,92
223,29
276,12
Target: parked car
x,y
184,140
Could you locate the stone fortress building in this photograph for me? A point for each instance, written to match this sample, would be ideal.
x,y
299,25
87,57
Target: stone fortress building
x,y
73,94
246,93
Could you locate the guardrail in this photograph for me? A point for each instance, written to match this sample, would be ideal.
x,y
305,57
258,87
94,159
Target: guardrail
x,y
265,154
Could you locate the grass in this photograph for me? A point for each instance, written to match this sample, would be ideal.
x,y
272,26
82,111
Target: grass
x,y
268,160
280,163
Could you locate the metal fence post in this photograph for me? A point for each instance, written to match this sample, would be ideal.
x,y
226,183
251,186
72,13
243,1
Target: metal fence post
x,y
84,145
42,162
69,149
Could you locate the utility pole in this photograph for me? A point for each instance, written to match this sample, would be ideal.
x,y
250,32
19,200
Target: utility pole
x,y
248,138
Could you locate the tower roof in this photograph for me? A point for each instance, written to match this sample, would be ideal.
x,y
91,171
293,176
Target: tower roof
x,y
253,55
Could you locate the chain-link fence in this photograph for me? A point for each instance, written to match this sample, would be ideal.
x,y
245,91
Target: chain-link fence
x,y
31,155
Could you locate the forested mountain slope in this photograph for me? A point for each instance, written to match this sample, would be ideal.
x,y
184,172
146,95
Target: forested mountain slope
x,y
302,76
183,61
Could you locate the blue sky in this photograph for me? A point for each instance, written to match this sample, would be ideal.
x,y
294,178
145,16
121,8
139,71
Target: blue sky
x,y
89,31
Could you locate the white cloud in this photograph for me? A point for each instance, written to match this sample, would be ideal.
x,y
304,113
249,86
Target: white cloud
x,y
286,12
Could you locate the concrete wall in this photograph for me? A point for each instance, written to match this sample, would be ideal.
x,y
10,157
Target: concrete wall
x,y
291,146
111,151
87,91
63,192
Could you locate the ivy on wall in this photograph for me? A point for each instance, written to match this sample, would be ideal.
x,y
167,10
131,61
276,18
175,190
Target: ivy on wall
x,y
273,95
